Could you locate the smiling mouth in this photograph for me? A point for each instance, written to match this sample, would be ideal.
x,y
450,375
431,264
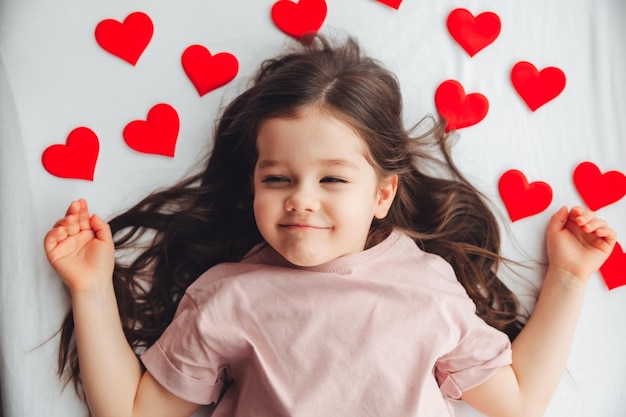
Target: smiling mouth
x,y
301,226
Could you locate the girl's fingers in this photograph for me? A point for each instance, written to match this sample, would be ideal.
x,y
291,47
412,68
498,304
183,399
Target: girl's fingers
x,y
83,216
590,224
579,211
73,208
76,218
100,228
53,237
588,221
606,233
581,216
593,225
559,219
71,224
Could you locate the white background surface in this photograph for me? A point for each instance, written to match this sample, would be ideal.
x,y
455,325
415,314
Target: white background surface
x,y
54,77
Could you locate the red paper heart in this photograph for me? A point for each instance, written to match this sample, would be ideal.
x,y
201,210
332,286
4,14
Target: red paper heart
x,y
125,40
391,3
301,18
208,72
535,87
473,33
458,109
598,189
156,135
521,198
614,268
76,159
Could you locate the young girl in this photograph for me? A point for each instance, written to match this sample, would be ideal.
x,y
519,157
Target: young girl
x,y
343,277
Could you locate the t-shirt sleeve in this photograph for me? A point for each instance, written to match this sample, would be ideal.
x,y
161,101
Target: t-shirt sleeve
x,y
183,362
480,352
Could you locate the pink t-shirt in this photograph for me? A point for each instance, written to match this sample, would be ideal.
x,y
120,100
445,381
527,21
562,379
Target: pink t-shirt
x,y
385,332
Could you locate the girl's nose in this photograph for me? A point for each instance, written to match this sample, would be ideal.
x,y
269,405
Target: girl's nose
x,y
302,200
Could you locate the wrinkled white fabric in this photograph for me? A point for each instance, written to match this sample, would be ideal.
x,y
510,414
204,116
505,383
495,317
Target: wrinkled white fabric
x,y
54,77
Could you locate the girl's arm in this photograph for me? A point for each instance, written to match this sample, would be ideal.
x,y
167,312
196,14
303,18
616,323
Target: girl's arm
x,y
80,249
578,244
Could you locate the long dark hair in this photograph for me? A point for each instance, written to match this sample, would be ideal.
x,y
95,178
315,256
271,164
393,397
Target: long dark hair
x,y
172,236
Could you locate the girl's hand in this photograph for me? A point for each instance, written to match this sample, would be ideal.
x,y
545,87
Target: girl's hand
x,y
80,249
578,242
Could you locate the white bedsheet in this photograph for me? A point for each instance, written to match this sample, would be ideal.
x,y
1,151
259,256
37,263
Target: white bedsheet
x,y
54,77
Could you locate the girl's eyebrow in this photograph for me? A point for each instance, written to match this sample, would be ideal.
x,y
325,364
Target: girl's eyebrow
x,y
338,162
266,163
269,163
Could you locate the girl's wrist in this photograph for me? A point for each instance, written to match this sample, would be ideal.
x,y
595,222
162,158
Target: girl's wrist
x,y
93,290
566,278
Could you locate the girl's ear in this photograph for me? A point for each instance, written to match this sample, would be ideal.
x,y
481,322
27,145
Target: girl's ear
x,y
386,194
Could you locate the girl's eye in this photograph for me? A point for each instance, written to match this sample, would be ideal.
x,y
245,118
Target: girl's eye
x,y
274,179
334,180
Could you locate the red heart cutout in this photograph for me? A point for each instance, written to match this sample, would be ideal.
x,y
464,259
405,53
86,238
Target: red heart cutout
x,y
208,72
156,135
125,40
521,198
598,189
458,109
76,159
614,268
473,33
391,3
301,18
535,87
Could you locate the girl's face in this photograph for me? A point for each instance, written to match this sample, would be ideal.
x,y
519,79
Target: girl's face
x,y
315,193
